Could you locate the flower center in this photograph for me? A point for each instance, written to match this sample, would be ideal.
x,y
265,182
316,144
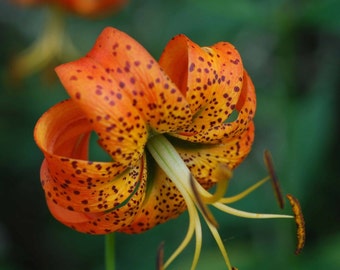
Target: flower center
x,y
197,198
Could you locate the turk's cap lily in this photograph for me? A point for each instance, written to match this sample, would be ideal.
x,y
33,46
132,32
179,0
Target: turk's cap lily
x,y
120,91
166,127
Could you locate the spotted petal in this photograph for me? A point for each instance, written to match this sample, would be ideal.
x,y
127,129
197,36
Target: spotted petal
x,y
142,80
105,221
211,79
121,129
163,201
245,109
203,159
78,190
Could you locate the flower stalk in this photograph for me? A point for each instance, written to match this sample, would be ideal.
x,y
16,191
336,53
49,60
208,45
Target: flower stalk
x,y
110,252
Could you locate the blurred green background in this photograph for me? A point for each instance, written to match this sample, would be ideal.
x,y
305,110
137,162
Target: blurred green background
x,y
290,48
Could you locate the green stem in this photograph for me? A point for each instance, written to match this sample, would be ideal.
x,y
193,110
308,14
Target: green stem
x,y
110,252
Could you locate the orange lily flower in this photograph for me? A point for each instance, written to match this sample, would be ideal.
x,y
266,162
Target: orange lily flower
x,y
166,127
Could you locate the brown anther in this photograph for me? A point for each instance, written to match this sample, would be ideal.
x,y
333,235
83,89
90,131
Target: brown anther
x,y
300,223
275,181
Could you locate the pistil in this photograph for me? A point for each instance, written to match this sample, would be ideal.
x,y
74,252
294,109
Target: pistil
x,y
172,164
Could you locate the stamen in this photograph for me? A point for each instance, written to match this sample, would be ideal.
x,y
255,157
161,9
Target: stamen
x,y
210,220
195,195
239,213
275,181
174,167
244,193
169,160
223,175
193,226
202,206
300,223
220,244
198,231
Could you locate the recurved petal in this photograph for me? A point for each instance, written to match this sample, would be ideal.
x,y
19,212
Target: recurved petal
x,y
68,178
245,109
80,186
163,201
204,159
105,221
211,79
63,130
119,125
186,64
62,133
82,193
140,78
